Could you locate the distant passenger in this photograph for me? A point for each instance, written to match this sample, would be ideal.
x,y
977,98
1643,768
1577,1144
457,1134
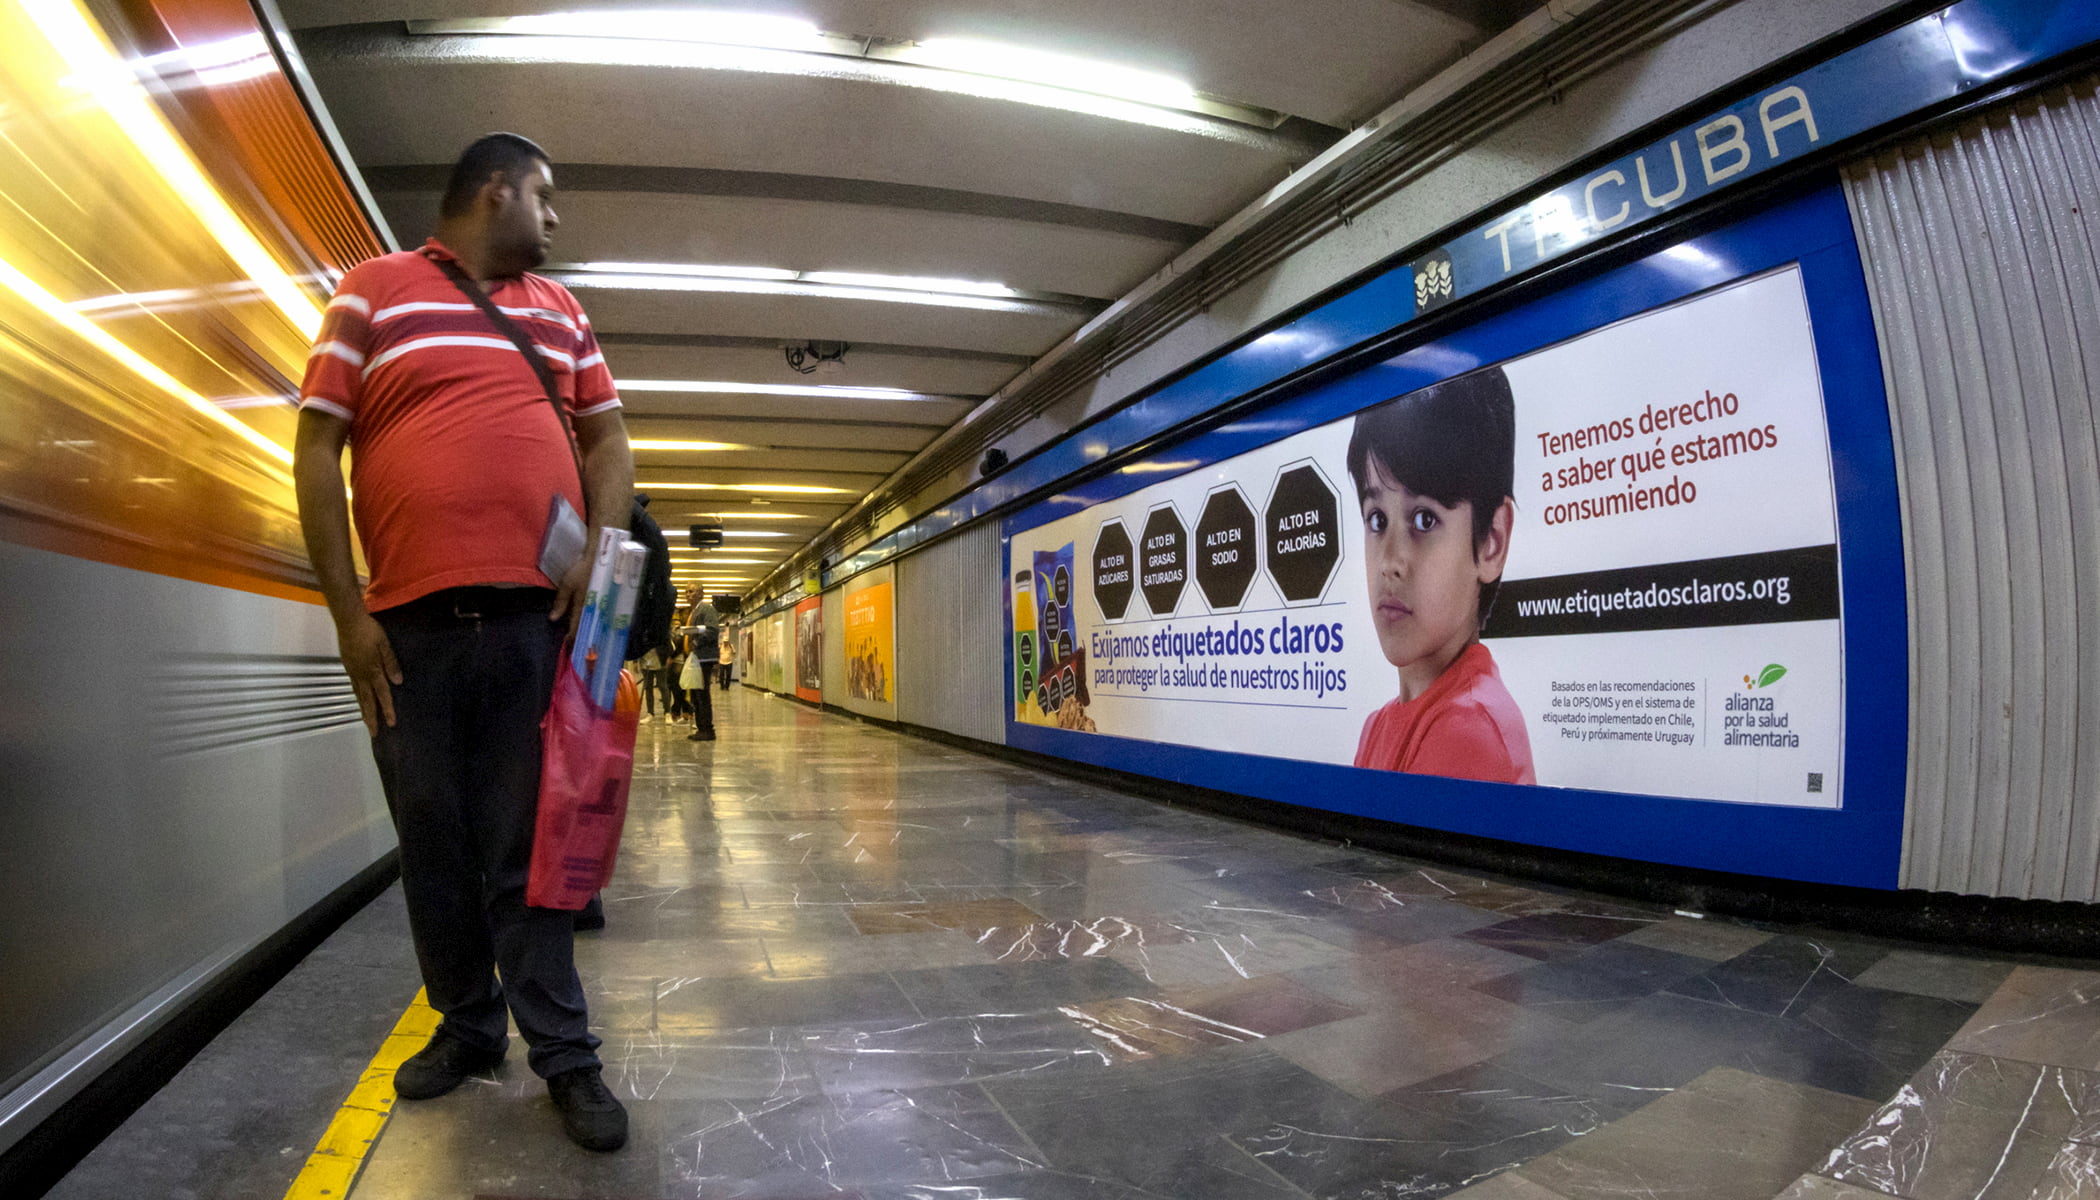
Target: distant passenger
x,y
703,642
728,663
453,645
1433,472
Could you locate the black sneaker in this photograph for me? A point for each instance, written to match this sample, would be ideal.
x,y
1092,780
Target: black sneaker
x,y
589,1114
442,1064
701,735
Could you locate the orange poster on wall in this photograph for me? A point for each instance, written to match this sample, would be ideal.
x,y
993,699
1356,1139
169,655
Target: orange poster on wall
x,y
871,655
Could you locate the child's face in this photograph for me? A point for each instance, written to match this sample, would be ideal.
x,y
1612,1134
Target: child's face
x,y
1423,572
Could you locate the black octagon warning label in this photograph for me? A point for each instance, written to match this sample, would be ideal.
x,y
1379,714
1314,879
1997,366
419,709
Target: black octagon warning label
x,y
1164,559
1115,570
1228,545
1303,529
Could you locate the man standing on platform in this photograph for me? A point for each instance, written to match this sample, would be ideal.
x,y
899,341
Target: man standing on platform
x,y
703,634
452,647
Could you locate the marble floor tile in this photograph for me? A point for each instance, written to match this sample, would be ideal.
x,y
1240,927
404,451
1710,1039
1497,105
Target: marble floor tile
x,y
1970,980
1009,987
1507,1186
1782,975
1595,982
1709,937
947,1051
1130,1028
1169,1125
1816,1187
1667,1150
1554,934
2039,1014
1969,1126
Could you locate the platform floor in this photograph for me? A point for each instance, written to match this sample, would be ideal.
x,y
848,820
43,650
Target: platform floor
x,y
843,962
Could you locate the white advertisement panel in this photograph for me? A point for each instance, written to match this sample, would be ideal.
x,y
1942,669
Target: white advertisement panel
x,y
1608,564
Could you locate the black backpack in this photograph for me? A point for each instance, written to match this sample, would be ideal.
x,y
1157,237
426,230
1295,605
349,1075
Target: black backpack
x,y
651,628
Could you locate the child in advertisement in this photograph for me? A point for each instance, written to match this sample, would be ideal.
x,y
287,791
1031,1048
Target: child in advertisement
x,y
1433,471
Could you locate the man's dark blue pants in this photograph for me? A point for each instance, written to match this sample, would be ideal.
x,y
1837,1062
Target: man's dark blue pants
x,y
461,768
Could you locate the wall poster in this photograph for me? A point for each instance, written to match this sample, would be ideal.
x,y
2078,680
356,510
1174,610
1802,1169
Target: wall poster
x,y
809,649
871,654
777,652
1607,564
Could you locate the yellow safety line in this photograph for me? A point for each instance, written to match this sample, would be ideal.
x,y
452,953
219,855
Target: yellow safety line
x,y
333,1166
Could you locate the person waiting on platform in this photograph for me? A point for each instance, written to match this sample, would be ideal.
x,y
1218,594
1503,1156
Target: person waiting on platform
x,y
728,663
453,646
1433,471
703,643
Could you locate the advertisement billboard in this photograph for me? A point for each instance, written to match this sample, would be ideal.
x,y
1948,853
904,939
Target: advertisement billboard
x,y
1610,563
870,642
809,649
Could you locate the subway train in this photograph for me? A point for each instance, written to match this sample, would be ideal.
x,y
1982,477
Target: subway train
x,y
187,775
1863,271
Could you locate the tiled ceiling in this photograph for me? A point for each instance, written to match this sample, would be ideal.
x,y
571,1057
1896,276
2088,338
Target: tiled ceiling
x,y
849,153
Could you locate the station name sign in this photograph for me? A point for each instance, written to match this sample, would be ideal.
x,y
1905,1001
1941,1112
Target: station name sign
x,y
1915,66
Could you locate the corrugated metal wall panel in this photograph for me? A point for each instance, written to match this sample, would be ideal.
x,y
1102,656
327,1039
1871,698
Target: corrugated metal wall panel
x,y
950,636
1983,259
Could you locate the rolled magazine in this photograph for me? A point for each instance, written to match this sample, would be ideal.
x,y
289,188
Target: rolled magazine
x,y
617,616
597,604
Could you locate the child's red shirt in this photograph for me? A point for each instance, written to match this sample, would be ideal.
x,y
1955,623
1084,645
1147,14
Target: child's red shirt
x,y
1465,726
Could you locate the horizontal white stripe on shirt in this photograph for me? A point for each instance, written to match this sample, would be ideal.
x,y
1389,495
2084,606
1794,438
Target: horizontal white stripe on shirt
x,y
327,406
352,301
338,350
460,339
592,361
402,310
431,343
595,409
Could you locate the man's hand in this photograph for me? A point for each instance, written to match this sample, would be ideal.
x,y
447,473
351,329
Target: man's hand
x,y
569,589
369,658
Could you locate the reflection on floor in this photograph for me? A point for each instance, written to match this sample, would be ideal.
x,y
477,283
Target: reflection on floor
x,y
842,962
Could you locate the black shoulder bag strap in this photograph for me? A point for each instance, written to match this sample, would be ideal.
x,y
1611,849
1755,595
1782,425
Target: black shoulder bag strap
x,y
656,583
509,328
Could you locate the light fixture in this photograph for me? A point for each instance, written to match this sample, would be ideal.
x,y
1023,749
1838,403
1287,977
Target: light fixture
x,y
798,489
821,391
786,46
680,281
668,444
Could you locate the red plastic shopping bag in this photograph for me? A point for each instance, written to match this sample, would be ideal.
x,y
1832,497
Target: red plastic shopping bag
x,y
586,764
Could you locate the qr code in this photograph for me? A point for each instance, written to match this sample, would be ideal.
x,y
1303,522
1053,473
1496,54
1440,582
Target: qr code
x,y
1815,781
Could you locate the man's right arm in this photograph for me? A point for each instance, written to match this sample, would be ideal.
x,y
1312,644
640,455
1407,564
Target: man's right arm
x,y
324,516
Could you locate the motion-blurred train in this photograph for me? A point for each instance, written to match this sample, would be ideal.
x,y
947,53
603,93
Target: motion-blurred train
x,y
187,787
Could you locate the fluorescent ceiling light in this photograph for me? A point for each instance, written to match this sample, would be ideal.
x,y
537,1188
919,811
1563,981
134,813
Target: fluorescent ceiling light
x,y
773,45
770,514
798,489
742,562
910,283
711,28
1001,61
673,444
818,390
704,269
665,281
756,533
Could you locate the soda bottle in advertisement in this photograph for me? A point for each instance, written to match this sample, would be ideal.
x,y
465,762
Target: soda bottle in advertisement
x,y
1027,665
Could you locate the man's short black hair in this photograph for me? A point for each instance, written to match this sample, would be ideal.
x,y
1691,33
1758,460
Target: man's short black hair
x,y
1454,442
509,154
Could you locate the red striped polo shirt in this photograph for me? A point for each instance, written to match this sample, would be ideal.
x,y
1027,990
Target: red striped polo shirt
x,y
455,452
